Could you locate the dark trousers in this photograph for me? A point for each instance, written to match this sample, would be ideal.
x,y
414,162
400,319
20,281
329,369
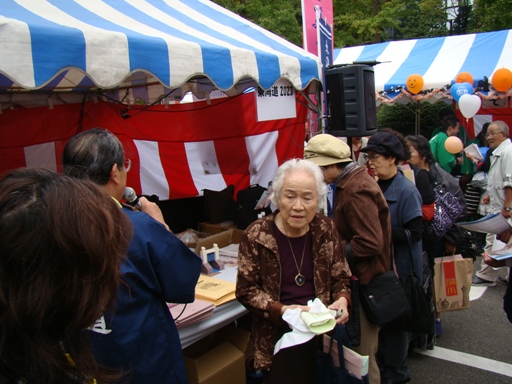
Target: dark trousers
x,y
392,355
295,365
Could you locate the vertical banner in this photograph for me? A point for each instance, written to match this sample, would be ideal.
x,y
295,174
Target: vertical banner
x,y
324,37
309,22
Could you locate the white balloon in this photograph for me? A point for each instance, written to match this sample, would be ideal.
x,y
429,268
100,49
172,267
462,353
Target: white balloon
x,y
469,105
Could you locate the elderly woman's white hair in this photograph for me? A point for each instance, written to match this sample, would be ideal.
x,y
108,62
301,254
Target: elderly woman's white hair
x,y
294,165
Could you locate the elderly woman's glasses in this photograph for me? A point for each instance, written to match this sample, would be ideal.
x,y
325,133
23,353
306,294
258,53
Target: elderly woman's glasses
x,y
127,165
374,156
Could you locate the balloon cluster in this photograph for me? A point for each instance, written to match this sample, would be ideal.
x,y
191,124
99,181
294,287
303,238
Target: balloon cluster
x,y
462,92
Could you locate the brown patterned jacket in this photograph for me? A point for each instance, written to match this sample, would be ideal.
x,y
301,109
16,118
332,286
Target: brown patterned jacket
x,y
259,277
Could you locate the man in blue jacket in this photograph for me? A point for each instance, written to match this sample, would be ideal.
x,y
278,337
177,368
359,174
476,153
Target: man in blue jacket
x,y
139,337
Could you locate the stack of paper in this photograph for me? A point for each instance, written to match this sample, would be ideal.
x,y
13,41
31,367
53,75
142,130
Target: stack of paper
x,y
474,151
229,254
186,314
214,290
493,223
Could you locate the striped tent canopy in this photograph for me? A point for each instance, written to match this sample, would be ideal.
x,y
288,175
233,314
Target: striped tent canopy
x,y
176,45
438,60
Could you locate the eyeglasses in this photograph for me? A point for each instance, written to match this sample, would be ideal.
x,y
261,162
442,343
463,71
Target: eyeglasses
x,y
374,156
127,165
489,133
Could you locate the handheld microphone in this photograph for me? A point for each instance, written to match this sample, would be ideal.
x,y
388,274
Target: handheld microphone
x,y
131,198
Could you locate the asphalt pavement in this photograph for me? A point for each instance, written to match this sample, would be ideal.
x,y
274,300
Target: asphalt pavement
x,y
475,347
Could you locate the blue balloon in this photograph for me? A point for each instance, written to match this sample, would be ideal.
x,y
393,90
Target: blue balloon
x,y
459,89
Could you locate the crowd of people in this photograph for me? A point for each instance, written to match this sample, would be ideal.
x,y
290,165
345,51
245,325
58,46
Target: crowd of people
x,y
87,303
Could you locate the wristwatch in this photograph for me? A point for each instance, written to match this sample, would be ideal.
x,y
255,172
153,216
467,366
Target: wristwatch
x,y
508,209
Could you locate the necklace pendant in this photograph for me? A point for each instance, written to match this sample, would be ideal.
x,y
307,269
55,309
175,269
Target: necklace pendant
x,y
300,280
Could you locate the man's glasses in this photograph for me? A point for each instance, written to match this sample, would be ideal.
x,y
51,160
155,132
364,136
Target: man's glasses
x,y
489,133
127,165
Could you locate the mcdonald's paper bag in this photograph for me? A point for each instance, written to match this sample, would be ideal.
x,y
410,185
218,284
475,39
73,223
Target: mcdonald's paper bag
x,y
452,282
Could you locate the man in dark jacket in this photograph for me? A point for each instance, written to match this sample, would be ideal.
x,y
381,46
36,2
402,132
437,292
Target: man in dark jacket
x,y
362,218
139,337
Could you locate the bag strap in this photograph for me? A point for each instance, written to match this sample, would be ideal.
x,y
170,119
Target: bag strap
x,y
341,336
409,243
392,258
350,258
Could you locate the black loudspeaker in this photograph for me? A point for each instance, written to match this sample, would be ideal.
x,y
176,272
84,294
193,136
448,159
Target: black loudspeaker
x,y
351,100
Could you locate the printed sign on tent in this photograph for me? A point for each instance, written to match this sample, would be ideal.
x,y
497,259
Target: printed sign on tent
x,y
277,102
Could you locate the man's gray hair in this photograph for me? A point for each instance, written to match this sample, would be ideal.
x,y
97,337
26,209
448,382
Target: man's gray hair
x,y
501,126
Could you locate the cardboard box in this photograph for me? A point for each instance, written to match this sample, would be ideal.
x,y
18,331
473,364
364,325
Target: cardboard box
x,y
212,229
222,239
218,358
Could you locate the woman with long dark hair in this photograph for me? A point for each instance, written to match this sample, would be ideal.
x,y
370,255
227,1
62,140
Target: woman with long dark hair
x,y
61,247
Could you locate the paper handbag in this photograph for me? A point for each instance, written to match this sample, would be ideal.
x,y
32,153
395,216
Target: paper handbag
x,y
452,282
338,363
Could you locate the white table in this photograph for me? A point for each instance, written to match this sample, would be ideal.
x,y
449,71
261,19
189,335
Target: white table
x,y
222,315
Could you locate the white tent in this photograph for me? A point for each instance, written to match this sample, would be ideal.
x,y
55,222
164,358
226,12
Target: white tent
x,y
159,46
438,60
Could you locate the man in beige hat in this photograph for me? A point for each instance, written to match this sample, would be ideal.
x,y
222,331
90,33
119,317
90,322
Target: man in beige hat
x,y
361,216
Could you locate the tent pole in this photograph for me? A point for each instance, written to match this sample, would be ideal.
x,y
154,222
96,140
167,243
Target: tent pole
x,y
417,112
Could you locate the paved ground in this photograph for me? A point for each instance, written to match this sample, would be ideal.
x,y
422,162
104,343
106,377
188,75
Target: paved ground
x,y
476,345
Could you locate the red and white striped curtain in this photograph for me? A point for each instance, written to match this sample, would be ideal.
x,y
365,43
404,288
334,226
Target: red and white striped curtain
x,y
176,151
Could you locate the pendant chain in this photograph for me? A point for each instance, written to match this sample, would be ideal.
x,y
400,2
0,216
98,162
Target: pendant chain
x,y
299,279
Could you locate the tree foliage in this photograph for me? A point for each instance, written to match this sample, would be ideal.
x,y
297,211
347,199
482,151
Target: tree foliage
x,y
361,22
282,17
372,21
491,15
402,118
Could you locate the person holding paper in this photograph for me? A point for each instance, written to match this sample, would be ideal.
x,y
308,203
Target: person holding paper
x,y
498,195
286,259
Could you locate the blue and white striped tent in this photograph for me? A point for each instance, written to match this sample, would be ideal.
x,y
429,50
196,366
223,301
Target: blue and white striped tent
x,y
438,60
82,44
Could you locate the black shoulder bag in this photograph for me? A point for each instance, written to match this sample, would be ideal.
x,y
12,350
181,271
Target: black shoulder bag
x,y
383,299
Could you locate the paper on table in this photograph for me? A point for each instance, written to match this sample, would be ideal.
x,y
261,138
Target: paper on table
x,y
187,314
215,290
474,151
493,223
229,254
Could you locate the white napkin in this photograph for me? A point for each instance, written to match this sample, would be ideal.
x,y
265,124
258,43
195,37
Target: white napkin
x,y
300,333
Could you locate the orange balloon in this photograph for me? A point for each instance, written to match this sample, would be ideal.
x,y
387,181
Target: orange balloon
x,y
502,80
414,83
464,77
453,144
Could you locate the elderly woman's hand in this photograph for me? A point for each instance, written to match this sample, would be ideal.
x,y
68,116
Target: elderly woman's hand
x,y
342,306
302,307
